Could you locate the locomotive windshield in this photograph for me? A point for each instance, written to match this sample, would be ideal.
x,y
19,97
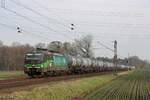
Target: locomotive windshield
x,y
33,58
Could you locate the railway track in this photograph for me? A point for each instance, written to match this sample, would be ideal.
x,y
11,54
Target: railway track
x,y
5,85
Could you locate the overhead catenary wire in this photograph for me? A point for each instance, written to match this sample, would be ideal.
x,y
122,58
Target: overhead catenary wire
x,y
101,12
23,31
38,13
123,25
108,48
39,30
15,29
47,9
105,46
29,19
35,22
57,32
8,26
121,36
120,25
35,30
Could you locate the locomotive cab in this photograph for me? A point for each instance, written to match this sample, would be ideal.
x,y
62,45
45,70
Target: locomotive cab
x,y
33,59
35,62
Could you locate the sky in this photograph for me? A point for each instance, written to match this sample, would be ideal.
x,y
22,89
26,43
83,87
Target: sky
x,y
126,21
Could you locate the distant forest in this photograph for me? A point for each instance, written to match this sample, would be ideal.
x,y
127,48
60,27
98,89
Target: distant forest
x,y
12,57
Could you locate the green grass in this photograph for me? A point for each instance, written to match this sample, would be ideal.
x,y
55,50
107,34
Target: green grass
x,y
10,74
135,86
64,90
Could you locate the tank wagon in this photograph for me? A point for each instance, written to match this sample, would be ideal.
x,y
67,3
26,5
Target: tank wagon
x,y
46,63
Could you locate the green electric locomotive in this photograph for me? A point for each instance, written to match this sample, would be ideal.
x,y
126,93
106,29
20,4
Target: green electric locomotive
x,y
45,63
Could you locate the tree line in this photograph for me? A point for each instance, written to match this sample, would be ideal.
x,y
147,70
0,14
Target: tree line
x,y
12,57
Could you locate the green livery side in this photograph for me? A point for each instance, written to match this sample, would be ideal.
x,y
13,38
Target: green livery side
x,y
38,63
60,61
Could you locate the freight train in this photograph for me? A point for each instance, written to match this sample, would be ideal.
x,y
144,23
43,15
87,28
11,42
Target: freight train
x,y
39,63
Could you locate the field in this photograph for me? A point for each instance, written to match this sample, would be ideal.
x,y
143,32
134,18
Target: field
x,y
10,74
134,86
64,90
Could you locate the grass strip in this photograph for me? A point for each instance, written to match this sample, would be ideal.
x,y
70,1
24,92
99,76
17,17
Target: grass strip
x,y
134,86
64,90
10,74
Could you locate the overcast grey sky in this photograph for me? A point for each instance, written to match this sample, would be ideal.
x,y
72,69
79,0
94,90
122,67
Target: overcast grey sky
x,y
127,21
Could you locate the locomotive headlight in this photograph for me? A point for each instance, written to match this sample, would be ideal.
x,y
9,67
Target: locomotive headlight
x,y
33,65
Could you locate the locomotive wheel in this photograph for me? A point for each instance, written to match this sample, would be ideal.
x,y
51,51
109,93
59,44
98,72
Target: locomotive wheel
x,y
31,75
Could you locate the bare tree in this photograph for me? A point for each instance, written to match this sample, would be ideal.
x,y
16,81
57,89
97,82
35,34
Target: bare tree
x,y
66,48
15,44
12,57
1,43
40,45
84,45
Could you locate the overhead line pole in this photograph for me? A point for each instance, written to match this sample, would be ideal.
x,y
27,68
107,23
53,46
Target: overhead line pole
x,y
3,3
128,61
115,57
